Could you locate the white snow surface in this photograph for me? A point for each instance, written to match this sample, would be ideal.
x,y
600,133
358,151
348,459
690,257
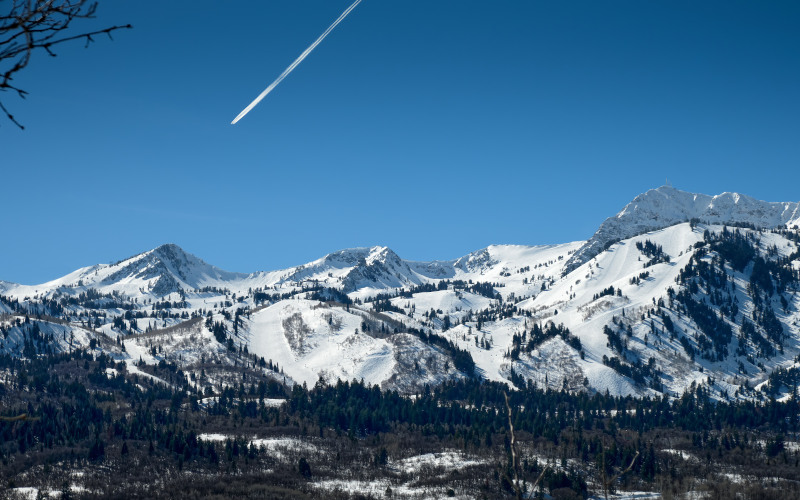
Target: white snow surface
x,y
312,341
281,448
447,460
431,463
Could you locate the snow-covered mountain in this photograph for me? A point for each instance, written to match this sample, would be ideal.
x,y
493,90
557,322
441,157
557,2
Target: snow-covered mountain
x,y
663,296
667,206
357,268
158,272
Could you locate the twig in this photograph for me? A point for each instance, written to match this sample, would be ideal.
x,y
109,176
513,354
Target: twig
x,y
18,418
31,25
514,460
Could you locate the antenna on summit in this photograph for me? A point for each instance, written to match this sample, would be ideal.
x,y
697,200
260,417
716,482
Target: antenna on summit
x,y
666,182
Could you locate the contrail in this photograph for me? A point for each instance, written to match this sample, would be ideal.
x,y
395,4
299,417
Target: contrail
x,y
294,64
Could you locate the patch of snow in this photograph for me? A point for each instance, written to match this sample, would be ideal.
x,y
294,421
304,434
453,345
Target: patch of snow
x,y
446,460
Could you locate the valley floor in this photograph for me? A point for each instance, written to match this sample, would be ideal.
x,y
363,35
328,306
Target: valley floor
x,y
87,434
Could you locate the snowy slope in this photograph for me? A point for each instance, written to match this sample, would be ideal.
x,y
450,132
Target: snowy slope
x,y
58,337
666,206
586,316
453,303
313,341
572,299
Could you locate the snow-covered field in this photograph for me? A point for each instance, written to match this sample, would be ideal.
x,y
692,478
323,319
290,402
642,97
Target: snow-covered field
x,y
413,467
446,460
280,448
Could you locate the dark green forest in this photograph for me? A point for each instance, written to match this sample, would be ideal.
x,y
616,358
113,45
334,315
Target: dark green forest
x,y
81,411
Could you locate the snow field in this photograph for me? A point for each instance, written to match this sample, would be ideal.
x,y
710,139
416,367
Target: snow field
x,y
310,340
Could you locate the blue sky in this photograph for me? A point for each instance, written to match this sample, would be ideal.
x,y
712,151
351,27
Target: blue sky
x,y
433,127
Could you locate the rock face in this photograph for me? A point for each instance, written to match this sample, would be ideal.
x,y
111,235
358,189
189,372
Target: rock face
x,y
380,268
666,206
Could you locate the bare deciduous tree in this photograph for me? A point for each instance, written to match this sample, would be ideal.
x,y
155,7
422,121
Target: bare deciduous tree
x,y
515,456
27,26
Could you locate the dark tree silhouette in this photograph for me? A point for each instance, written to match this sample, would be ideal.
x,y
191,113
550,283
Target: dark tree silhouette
x,y
28,26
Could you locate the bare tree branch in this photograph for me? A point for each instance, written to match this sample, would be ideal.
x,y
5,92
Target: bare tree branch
x,y
10,116
533,488
608,482
29,25
514,459
18,418
611,481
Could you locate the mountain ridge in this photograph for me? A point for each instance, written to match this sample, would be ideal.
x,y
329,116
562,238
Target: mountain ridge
x,y
647,314
650,211
666,206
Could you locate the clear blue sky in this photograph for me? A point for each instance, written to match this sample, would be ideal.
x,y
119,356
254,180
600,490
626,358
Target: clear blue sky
x,y
433,127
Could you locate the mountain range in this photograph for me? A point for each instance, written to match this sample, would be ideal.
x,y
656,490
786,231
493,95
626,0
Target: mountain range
x,y
675,290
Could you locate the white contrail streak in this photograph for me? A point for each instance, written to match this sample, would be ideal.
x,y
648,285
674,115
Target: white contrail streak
x,y
294,64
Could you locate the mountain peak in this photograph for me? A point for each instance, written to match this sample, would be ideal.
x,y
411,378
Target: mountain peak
x,y
166,269
169,248
382,254
666,206
177,260
379,266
